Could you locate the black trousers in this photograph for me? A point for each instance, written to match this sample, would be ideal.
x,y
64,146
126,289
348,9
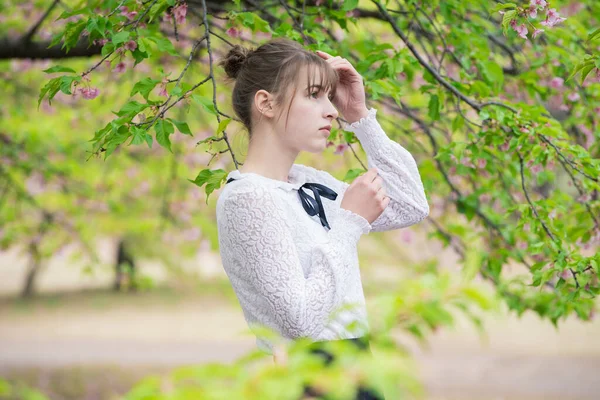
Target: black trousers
x,y
362,393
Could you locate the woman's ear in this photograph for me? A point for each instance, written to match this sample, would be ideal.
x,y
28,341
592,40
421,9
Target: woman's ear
x,y
263,101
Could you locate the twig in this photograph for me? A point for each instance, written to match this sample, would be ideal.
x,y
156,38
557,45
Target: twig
x,y
33,30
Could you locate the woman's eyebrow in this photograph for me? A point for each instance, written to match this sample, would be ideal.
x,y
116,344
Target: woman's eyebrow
x,y
319,87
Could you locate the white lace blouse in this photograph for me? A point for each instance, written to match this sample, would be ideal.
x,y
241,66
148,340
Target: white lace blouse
x,y
289,272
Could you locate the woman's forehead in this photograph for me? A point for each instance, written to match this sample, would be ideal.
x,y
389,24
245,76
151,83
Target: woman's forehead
x,y
318,76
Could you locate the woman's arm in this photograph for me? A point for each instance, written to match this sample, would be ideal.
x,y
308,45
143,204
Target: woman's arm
x,y
258,247
398,169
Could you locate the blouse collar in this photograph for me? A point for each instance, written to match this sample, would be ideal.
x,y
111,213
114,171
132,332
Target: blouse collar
x,y
296,175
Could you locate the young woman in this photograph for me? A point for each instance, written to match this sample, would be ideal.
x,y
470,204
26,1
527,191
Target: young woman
x,y
288,232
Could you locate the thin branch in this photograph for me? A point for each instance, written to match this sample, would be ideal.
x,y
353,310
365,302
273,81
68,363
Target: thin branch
x,y
27,38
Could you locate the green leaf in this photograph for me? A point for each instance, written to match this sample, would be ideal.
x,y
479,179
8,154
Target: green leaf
x,y
181,127
144,87
457,123
58,68
492,74
352,174
157,9
434,107
66,82
163,130
349,5
50,89
164,44
205,102
212,179
72,34
252,21
223,125
141,136
507,18
506,6
120,37
132,107
585,71
593,35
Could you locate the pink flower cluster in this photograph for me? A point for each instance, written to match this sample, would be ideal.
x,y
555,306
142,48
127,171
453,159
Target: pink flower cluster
x,y
88,93
535,6
129,14
552,18
179,13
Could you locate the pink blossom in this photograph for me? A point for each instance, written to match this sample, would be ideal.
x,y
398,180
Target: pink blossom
x,y
573,96
233,32
120,67
406,235
341,148
100,42
131,15
131,45
557,82
163,91
504,146
319,20
481,163
352,13
537,32
520,29
88,93
532,12
179,12
319,2
552,18
538,3
329,143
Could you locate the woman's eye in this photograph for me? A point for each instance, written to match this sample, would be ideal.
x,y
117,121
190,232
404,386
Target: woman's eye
x,y
314,93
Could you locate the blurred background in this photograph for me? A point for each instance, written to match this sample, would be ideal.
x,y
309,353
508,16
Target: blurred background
x,y
110,271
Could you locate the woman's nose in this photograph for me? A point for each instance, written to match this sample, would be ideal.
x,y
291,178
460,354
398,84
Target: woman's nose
x,y
332,111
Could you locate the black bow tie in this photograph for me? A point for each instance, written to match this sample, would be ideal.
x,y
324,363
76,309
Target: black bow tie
x,y
314,206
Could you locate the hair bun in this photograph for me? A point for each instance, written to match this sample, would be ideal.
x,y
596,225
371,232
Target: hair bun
x,y
234,60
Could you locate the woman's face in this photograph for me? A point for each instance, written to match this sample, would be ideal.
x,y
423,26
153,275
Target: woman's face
x,y
311,110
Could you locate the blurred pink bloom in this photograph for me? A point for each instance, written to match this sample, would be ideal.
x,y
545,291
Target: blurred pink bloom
x,y
192,234
532,12
537,32
406,235
341,148
233,32
120,67
537,168
557,83
520,29
538,3
131,45
319,20
481,163
131,15
163,91
179,12
552,18
89,93
573,96
329,144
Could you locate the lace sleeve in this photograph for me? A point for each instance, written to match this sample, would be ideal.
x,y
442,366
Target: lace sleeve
x,y
259,245
398,169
